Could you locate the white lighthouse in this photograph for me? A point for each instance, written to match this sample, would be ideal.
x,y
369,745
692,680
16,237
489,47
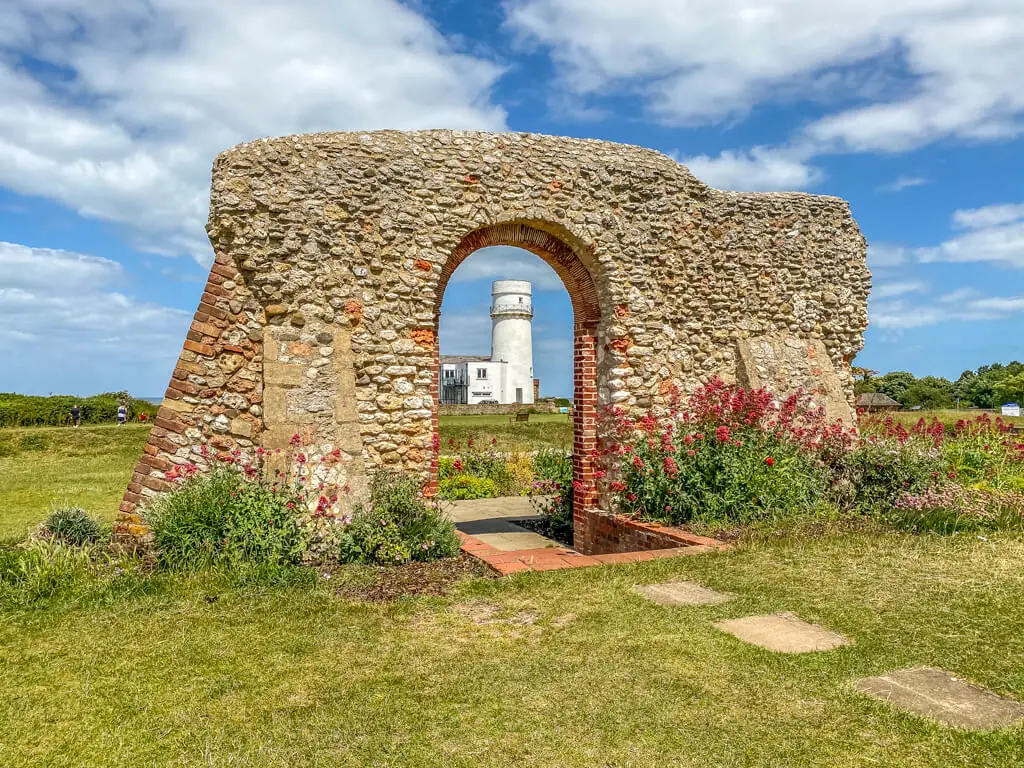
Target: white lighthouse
x,y
507,375
512,337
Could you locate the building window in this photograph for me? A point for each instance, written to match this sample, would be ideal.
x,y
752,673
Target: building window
x,y
481,373
519,394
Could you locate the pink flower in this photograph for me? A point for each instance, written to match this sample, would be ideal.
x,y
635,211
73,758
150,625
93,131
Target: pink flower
x,y
458,466
723,434
618,486
691,452
296,440
638,462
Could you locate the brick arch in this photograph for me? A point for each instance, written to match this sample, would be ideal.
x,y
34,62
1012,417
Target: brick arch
x,y
562,252
553,249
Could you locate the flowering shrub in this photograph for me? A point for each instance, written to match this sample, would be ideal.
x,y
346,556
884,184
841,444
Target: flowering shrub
x,y
245,513
397,526
225,517
983,448
950,508
552,493
876,472
460,476
730,455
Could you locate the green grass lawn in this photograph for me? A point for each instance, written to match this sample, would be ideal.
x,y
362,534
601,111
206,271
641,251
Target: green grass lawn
x,y
552,669
91,466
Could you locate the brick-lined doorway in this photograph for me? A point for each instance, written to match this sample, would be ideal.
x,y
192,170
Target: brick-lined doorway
x,y
563,258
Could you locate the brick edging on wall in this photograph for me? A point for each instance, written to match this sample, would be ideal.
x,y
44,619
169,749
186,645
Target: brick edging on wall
x,y
606,533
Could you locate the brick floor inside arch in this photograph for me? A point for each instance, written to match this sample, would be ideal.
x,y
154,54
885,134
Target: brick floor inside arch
x,y
489,532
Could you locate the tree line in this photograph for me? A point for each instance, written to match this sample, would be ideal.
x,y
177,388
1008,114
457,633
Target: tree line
x,y
54,411
987,387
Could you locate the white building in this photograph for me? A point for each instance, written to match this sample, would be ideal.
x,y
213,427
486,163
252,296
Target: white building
x,y
507,375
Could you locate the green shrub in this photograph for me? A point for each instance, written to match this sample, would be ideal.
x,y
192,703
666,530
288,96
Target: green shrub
x,y
73,525
466,486
872,476
221,518
37,411
552,464
397,526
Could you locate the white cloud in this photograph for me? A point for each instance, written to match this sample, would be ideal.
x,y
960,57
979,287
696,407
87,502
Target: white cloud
x,y
989,216
903,182
960,295
899,313
135,99
994,233
885,255
891,290
896,75
502,262
65,323
761,169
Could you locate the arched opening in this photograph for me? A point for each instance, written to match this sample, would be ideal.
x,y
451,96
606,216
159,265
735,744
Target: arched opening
x,y
554,249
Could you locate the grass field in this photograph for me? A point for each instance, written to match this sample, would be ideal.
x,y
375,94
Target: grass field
x,y
91,466
553,669
550,669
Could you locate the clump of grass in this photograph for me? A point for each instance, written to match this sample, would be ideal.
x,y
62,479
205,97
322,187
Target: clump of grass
x,y
40,570
73,526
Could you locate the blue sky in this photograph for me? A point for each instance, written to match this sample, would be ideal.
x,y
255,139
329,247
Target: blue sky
x,y
111,112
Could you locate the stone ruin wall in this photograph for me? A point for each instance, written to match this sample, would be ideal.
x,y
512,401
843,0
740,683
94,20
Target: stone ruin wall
x,y
332,252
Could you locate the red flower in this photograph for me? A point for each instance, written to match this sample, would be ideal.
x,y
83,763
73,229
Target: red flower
x,y
769,461
691,452
457,466
296,440
618,486
723,434
638,462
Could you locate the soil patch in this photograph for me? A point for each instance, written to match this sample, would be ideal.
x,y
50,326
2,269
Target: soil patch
x,y
390,582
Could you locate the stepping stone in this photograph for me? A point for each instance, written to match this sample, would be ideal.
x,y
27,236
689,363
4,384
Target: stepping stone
x,y
681,593
945,697
782,632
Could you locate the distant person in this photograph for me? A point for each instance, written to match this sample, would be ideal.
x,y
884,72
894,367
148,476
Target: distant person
x,y
76,415
122,415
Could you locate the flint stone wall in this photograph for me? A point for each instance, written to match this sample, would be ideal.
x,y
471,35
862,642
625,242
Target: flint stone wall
x,y
332,252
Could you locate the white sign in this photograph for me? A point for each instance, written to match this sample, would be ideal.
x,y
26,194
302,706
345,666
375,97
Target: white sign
x,y
1011,409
